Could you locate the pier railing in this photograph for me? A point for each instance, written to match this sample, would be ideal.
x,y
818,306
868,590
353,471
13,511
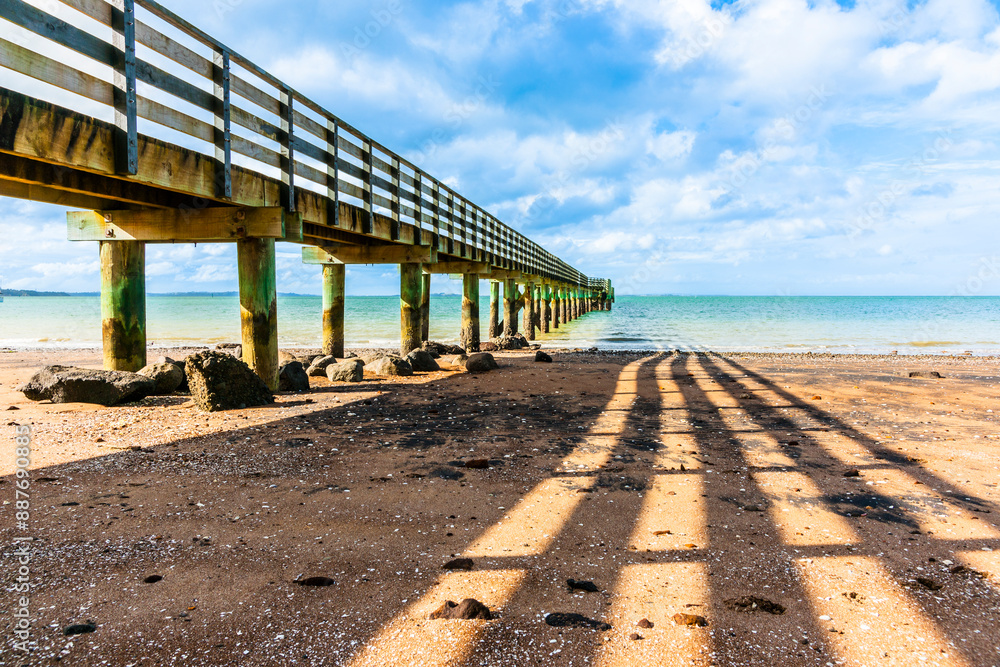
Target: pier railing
x,y
169,79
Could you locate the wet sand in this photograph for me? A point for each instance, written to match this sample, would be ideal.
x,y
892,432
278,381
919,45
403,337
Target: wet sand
x,y
675,483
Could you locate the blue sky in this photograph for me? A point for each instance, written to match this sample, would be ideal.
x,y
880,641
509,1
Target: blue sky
x,y
758,147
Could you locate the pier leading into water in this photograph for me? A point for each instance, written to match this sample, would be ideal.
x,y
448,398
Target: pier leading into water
x,y
206,147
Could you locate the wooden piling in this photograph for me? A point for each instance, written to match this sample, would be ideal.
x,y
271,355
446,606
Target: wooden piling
x,y
564,301
470,312
546,308
334,279
425,307
410,291
556,307
494,309
529,311
123,304
537,314
259,307
509,307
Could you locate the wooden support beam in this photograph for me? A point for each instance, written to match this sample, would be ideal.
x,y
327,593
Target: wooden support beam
x,y
334,280
123,305
457,268
494,309
498,274
564,302
470,312
546,308
529,311
537,314
556,307
510,297
259,307
369,254
181,225
425,306
410,288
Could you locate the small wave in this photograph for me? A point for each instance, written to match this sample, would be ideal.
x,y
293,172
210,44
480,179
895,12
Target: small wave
x,y
626,339
933,343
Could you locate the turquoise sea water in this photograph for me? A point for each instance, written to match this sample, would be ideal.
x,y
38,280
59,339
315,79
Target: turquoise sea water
x,y
910,325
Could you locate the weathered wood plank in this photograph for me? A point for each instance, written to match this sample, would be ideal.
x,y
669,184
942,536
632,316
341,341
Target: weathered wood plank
x,y
37,66
47,195
177,225
254,94
159,113
457,267
173,50
255,151
378,254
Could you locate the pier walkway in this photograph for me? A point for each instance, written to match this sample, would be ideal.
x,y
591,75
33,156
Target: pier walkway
x,y
201,145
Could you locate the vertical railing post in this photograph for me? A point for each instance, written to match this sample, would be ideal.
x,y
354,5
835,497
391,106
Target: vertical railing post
x,y
332,174
126,119
394,198
287,150
436,217
418,204
368,223
223,127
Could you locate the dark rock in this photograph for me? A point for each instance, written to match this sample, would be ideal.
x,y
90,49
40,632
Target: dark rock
x,y
319,365
460,360
284,356
561,619
512,342
929,584
152,579
315,581
477,464
351,370
421,360
234,349
466,610
585,586
12,407
220,381
542,357
751,603
292,377
445,473
645,624
390,366
79,628
66,384
481,362
853,473
690,619
487,346
168,377
459,564
635,636
926,374
441,349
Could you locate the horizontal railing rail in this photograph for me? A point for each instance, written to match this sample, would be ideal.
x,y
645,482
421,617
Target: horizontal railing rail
x,y
246,116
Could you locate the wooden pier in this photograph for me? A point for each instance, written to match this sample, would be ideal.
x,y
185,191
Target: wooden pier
x,y
259,163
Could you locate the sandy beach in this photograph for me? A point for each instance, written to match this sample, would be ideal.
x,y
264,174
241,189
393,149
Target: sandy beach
x,y
861,502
